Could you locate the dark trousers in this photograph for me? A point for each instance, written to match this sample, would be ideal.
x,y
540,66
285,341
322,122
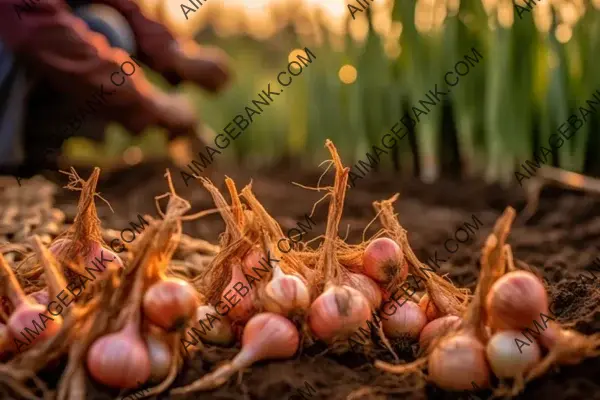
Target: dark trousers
x,y
31,111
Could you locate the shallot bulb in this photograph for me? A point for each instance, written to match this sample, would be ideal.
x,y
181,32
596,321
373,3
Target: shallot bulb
x,y
286,294
101,257
459,361
338,312
437,328
367,287
266,336
239,294
383,260
516,300
31,318
252,259
219,329
40,297
407,322
96,257
170,303
120,359
429,308
160,357
505,357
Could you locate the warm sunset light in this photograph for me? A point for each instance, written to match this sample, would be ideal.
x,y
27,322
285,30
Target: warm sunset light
x,y
347,74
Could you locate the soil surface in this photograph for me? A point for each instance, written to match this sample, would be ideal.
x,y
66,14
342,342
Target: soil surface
x,y
561,241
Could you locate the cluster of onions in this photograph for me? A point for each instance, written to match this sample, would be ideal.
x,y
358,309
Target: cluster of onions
x,y
462,352
442,298
133,354
82,245
26,310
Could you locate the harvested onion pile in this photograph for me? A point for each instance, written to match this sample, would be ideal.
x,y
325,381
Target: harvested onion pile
x,y
144,314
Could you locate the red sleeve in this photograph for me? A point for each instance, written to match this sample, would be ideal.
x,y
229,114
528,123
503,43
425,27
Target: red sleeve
x,y
58,46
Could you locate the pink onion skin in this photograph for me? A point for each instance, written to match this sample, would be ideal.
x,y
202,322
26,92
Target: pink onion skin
x,y
252,259
448,359
436,328
23,317
242,306
367,287
429,308
170,303
407,322
119,360
383,260
270,336
338,312
515,301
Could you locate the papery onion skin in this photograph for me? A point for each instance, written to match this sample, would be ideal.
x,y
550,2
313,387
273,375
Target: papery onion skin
x,y
267,336
101,257
40,297
338,312
219,330
459,361
239,295
286,294
27,315
429,308
437,328
160,358
383,260
407,322
505,358
367,287
252,259
119,360
170,303
516,300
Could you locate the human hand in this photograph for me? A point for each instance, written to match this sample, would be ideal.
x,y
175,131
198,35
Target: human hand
x,y
176,113
207,66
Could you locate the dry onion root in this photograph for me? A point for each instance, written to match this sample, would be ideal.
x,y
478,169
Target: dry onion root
x,y
82,244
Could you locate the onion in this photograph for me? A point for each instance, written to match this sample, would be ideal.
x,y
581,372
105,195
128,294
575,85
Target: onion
x,y
430,310
459,361
29,317
383,260
252,259
219,330
40,297
516,300
367,287
407,322
160,357
338,313
170,303
242,305
286,294
437,328
120,359
7,346
506,359
266,336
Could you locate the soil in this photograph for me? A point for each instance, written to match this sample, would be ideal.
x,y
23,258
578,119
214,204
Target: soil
x,y
559,242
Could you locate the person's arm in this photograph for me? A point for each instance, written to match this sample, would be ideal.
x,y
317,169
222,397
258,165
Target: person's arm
x,y
176,59
58,46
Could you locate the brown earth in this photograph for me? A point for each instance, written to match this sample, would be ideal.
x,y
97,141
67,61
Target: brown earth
x,y
560,242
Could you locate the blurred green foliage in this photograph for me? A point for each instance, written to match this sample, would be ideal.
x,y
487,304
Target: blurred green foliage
x,y
501,112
